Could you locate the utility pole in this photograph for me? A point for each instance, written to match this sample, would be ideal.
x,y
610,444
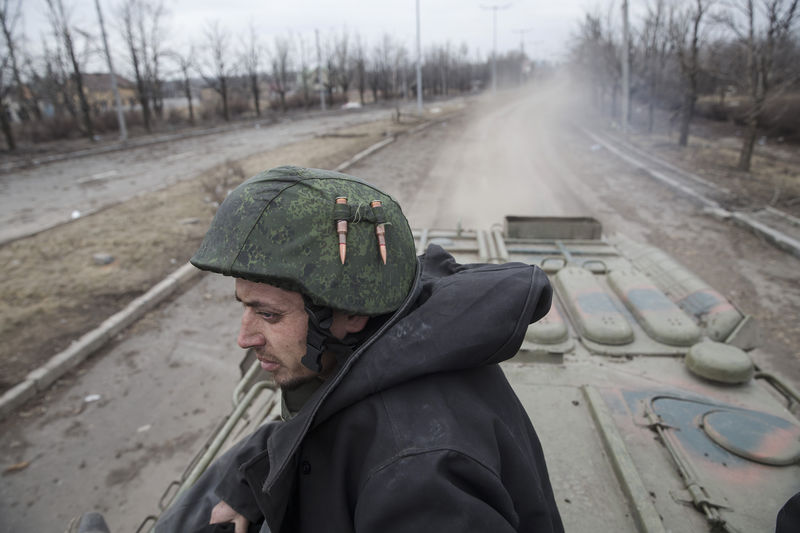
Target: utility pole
x,y
419,66
495,8
522,38
123,131
319,74
626,82
522,52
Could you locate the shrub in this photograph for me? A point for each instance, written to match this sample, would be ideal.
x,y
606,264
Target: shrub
x,y
779,118
53,128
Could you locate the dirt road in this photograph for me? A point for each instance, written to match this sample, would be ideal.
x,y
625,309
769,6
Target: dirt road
x,y
164,383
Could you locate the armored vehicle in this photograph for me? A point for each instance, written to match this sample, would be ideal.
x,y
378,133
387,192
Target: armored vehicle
x,y
639,382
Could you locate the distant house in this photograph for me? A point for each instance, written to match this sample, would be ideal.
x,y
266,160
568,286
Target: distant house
x,y
98,91
97,88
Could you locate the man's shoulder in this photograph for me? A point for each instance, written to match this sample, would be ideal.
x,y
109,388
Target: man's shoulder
x,y
461,411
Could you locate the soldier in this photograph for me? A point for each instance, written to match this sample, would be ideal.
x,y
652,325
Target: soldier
x,y
397,416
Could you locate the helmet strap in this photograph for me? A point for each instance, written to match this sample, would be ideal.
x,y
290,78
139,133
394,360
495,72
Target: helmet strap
x,y
319,333
320,339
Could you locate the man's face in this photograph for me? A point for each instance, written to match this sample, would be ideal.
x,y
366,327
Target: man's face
x,y
274,324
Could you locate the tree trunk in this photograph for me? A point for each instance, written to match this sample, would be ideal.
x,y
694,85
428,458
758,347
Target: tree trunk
x,y
613,110
85,111
747,146
361,82
6,126
29,106
224,94
256,94
651,97
158,99
687,110
87,119
187,90
141,92
143,100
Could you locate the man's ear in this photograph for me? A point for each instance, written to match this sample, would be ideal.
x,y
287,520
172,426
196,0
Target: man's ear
x,y
355,323
344,324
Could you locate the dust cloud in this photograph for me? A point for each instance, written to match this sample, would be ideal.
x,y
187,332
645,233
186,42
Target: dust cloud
x,y
510,159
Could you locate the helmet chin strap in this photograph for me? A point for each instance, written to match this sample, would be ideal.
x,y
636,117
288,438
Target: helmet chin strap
x,y
319,333
320,339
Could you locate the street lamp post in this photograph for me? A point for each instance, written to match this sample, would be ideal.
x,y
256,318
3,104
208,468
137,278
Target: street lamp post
x,y
419,66
626,84
495,8
522,51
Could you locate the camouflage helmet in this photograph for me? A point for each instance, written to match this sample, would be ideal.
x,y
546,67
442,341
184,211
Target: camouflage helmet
x,y
280,227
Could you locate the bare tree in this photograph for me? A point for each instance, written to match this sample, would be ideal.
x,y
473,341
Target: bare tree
x,y
331,67
9,15
399,70
59,19
8,18
34,85
185,63
344,67
462,69
5,89
360,68
655,40
725,64
442,58
765,31
374,73
151,35
685,30
595,55
383,60
132,15
305,74
281,65
251,60
218,45
57,86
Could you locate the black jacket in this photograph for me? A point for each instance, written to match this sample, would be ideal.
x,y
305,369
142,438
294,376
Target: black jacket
x,y
418,431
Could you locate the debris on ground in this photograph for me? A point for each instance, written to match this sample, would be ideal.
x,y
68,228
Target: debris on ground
x,y
17,467
102,258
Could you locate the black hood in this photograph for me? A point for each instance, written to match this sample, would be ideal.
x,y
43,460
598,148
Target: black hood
x,y
456,317
464,316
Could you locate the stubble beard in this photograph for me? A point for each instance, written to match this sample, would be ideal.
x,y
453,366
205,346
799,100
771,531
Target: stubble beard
x,y
296,382
290,382
330,365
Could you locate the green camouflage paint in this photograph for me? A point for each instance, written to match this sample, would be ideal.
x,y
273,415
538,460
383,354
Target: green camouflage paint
x,y
279,227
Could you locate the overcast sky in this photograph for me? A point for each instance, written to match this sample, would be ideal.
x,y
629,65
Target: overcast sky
x,y
548,23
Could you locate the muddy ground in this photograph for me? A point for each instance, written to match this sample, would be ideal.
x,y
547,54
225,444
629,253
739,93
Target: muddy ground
x,y
713,154
52,288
